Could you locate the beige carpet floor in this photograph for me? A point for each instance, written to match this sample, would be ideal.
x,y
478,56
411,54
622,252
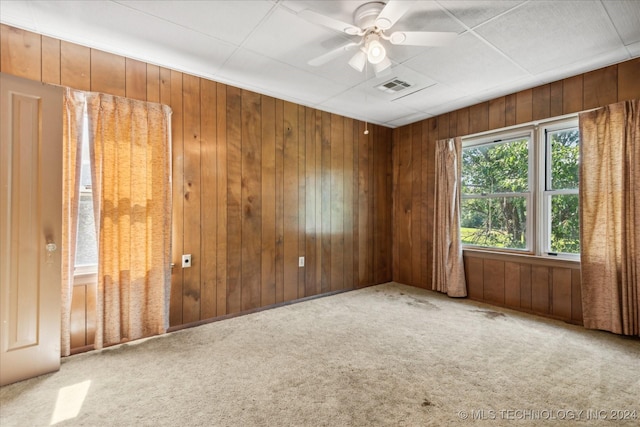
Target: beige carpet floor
x,y
388,355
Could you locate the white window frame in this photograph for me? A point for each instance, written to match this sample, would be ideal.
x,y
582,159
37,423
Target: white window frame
x,y
538,223
544,182
503,137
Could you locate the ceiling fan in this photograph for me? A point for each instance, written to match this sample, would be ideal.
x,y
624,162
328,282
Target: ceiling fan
x,y
371,22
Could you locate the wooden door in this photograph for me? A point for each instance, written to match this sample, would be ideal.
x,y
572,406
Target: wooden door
x,y
30,228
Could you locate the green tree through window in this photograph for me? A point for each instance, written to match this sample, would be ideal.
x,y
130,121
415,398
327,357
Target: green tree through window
x,y
504,179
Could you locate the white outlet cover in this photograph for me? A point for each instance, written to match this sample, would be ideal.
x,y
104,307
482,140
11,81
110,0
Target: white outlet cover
x,y
301,261
186,261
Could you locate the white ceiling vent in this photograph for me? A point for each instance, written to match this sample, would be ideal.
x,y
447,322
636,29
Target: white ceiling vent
x,y
394,85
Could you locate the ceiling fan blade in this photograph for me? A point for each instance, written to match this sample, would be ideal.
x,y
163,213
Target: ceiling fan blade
x,y
332,54
326,21
422,38
392,12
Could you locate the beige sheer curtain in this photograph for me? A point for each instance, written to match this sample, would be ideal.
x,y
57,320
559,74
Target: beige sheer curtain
x,y
73,108
610,217
448,267
131,154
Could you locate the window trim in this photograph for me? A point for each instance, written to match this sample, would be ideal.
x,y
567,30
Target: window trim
x,y
537,219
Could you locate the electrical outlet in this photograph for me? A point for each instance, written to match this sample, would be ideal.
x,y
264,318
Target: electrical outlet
x,y
186,261
301,261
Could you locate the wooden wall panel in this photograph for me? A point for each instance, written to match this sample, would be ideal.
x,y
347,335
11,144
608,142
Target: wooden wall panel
x,y
417,214
403,192
268,181
337,203
302,196
50,60
209,211
475,278
192,199
628,81
427,173
463,122
347,203
497,113
572,93
135,79
561,292
221,226
234,200
107,73
478,118
493,281
152,83
600,87
524,106
541,99
20,53
510,110
75,66
512,284
290,212
555,99
365,200
525,285
540,289
177,223
251,200
576,296
382,221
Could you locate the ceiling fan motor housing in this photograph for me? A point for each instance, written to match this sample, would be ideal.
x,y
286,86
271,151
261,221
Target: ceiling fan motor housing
x,y
365,15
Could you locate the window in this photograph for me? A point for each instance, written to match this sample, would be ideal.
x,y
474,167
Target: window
x,y
86,261
520,190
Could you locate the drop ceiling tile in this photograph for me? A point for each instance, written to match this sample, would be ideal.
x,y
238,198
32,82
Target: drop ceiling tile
x,y
264,75
634,49
468,65
114,28
545,35
591,63
230,21
357,103
406,120
473,12
626,18
429,97
287,38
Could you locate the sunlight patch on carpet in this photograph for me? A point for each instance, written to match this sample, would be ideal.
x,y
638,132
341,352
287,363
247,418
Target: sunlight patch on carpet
x,y
69,402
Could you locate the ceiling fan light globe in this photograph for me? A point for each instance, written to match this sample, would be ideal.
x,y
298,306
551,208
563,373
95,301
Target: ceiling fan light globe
x,y
381,66
358,61
376,52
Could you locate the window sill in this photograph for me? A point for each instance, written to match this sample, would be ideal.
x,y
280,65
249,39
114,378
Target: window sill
x,y
522,258
83,279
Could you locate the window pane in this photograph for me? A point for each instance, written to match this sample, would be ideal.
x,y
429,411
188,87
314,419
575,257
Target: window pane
x,y
501,167
495,222
565,224
86,248
564,159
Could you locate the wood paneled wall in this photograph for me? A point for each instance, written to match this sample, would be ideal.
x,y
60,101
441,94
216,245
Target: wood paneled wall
x,y
257,182
413,173
546,287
